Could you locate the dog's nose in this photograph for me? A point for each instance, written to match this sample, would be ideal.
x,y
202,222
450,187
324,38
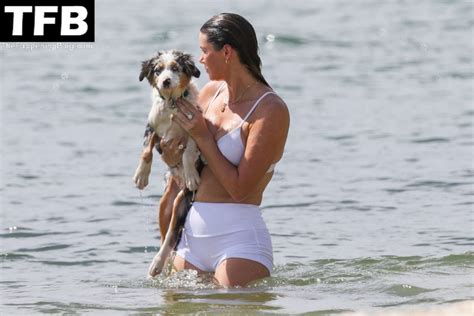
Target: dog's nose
x,y
167,82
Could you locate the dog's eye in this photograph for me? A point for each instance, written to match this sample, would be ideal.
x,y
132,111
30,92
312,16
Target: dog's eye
x,y
175,68
157,71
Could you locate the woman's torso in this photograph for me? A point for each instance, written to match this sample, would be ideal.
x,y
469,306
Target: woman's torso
x,y
220,124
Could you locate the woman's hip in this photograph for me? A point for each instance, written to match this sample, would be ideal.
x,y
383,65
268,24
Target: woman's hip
x,y
213,219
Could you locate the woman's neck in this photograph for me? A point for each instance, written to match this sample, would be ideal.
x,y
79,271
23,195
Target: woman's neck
x,y
238,82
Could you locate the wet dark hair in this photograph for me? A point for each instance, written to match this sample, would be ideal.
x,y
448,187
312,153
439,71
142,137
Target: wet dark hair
x,y
234,30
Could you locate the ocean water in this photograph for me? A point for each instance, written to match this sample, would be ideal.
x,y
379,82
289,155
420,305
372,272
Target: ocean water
x,y
370,209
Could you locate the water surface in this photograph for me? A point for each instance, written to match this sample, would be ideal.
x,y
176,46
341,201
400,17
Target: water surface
x,y
370,208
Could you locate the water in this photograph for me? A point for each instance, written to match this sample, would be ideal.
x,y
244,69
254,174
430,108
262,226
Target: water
x,y
370,208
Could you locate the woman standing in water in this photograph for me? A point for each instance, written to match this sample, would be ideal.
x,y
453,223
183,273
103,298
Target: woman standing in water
x,y
240,126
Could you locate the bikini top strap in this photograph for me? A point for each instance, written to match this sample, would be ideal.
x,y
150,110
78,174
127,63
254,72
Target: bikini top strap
x,y
255,106
215,96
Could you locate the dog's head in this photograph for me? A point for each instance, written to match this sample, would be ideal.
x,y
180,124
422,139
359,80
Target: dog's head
x,y
170,72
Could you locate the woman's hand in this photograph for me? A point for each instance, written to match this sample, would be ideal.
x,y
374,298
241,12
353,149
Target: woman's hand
x,y
191,119
172,151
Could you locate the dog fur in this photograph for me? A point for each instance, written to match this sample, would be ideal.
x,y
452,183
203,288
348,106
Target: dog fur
x,y
170,75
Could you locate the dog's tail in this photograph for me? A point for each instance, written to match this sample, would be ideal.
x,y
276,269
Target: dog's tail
x,y
183,209
185,206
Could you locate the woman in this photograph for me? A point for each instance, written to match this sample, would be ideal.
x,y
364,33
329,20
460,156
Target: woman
x,y
240,126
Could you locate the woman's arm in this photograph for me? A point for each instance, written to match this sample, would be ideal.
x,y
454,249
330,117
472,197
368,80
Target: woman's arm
x,y
265,144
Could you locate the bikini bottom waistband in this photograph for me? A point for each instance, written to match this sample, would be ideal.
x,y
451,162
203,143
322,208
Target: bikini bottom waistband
x,y
211,219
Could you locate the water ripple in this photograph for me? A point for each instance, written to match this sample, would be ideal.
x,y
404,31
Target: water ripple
x,y
21,234
77,262
436,184
124,203
293,205
14,256
45,248
405,290
431,140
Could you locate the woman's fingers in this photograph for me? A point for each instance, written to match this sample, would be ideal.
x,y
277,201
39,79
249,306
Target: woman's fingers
x,y
187,108
178,145
174,143
172,154
189,118
164,144
179,118
186,105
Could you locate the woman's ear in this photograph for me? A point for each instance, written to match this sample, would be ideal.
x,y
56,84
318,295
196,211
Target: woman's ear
x,y
228,52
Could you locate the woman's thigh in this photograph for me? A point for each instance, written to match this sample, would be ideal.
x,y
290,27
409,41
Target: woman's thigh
x,y
238,271
180,263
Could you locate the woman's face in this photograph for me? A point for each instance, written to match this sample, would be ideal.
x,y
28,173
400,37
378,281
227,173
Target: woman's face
x,y
213,60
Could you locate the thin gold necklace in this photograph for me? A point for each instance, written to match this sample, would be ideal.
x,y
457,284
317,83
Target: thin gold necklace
x,y
226,100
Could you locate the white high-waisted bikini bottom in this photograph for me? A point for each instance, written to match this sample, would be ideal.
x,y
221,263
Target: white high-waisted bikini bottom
x,y
214,232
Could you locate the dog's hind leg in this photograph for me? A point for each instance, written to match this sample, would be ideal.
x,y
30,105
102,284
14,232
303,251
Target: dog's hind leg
x,y
179,210
166,206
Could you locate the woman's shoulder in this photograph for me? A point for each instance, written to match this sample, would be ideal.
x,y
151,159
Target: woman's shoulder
x,y
208,91
275,99
273,104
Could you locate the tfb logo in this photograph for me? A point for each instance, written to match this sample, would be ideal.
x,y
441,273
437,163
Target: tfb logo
x,y
47,21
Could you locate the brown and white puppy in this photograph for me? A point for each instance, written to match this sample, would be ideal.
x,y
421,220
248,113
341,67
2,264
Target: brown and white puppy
x,y
169,73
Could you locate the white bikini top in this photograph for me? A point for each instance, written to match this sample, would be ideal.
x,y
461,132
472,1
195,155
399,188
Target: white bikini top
x,y
231,144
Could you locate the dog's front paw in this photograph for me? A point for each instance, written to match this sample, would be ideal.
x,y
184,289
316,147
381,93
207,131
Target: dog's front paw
x,y
141,175
157,265
192,179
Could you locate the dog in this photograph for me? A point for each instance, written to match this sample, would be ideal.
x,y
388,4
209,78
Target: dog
x,y
170,76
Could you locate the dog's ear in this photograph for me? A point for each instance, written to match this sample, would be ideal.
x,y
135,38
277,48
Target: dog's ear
x,y
147,68
189,68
